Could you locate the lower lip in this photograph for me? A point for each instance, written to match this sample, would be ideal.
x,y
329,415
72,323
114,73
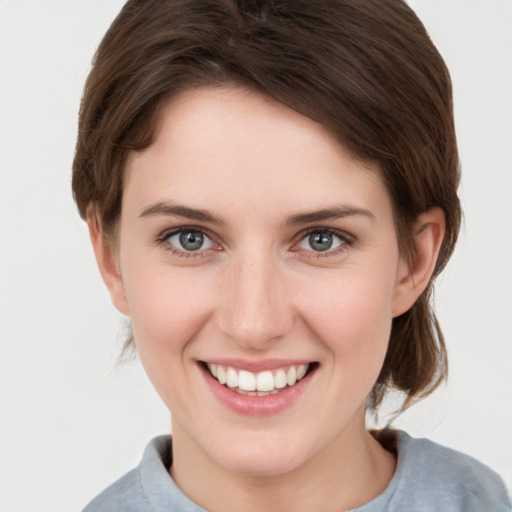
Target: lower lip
x,y
256,405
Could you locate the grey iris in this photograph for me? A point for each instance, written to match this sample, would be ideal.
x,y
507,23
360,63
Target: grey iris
x,y
320,241
191,240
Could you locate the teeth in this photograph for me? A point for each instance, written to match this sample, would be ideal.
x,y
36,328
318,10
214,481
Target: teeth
x,y
301,371
232,378
261,384
221,374
247,381
265,381
280,379
291,376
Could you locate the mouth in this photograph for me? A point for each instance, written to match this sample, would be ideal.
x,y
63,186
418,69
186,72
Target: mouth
x,y
259,384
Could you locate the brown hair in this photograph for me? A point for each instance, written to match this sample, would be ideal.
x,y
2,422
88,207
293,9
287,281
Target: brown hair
x,y
366,70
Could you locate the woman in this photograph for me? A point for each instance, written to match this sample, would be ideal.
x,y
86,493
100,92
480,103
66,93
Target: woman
x,y
270,190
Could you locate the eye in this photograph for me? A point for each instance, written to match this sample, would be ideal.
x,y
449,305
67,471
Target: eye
x,y
190,240
321,241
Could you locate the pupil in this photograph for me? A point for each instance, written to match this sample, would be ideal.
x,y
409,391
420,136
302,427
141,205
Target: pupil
x,y
191,240
320,241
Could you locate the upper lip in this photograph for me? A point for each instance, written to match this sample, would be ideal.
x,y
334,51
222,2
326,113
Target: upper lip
x,y
256,366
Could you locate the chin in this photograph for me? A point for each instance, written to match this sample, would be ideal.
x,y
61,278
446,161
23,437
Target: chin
x,y
260,456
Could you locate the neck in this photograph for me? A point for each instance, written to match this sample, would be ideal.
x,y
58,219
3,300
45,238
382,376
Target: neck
x,y
349,472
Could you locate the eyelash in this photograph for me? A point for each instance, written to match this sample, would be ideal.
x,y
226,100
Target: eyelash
x,y
163,240
346,240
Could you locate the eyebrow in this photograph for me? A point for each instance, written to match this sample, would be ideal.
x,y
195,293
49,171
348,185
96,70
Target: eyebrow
x,y
176,210
336,212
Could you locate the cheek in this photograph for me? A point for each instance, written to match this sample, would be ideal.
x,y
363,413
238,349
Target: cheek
x,y
167,308
354,320
167,312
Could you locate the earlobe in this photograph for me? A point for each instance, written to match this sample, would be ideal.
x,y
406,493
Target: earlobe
x,y
107,261
415,275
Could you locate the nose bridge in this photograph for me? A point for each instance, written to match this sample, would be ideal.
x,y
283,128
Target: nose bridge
x,y
255,312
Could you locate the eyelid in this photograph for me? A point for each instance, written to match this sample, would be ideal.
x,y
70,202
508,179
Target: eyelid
x,y
163,239
347,239
166,233
206,240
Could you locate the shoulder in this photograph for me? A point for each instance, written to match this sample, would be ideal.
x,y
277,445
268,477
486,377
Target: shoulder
x,y
125,495
148,488
142,489
435,475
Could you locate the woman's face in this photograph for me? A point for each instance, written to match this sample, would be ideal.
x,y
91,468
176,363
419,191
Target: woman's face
x,y
252,246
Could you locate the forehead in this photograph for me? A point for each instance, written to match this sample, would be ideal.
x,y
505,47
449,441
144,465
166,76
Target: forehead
x,y
231,145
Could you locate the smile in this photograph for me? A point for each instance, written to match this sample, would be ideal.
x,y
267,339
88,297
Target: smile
x,y
268,382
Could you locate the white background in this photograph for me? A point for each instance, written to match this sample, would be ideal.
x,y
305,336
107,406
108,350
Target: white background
x,y
71,422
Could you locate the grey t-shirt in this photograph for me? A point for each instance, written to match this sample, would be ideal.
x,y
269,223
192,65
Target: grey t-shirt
x,y
428,478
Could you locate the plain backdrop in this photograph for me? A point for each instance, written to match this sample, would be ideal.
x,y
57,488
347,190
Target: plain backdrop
x,y
71,421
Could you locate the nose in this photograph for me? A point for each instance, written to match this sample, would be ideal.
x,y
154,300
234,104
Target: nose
x,y
256,310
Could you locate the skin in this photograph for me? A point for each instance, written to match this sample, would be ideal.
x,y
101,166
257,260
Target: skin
x,y
258,290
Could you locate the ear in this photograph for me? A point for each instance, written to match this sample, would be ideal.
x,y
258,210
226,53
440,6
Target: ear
x,y
108,262
414,276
